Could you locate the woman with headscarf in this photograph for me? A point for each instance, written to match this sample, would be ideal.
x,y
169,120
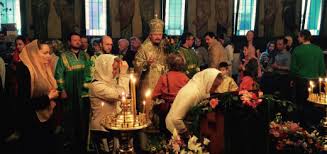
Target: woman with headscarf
x,y
110,81
36,94
198,88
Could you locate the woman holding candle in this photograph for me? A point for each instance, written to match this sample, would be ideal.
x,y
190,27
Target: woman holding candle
x,y
110,81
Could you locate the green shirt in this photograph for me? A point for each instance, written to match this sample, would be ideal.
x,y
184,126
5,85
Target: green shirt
x,y
73,73
308,62
191,59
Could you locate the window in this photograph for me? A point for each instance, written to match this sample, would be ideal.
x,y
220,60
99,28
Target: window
x,y
10,13
96,17
244,16
311,15
174,18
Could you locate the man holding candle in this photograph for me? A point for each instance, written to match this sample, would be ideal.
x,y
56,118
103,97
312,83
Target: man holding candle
x,y
307,64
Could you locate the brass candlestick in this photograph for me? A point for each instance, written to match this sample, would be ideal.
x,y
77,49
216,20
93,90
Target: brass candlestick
x,y
124,124
320,100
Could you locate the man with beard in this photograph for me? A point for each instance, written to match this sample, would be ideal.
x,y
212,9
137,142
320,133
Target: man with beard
x,y
72,75
106,47
85,46
150,60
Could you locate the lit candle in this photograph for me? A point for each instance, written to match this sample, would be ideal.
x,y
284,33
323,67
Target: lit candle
x,y
143,106
133,94
147,99
320,80
102,104
309,89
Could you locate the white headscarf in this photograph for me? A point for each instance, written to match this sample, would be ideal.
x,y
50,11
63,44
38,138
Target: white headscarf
x,y
103,68
197,89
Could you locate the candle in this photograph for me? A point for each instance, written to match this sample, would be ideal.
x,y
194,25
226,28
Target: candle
x,y
133,95
320,80
143,106
147,99
102,104
309,89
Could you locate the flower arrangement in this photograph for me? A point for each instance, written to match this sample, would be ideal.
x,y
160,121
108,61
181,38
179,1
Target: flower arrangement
x,y
177,146
250,98
289,137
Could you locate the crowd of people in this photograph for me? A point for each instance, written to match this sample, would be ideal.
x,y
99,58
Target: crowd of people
x,y
59,96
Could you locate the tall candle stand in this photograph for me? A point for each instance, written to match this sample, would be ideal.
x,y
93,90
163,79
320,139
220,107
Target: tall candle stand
x,y
320,100
126,122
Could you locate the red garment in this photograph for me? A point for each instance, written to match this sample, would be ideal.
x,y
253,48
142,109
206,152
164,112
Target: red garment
x,y
15,57
176,80
247,83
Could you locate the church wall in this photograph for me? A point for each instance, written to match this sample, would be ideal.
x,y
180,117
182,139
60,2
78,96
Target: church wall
x,y
56,18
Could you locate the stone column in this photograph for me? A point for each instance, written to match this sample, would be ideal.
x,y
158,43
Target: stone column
x,y
137,20
231,15
78,13
157,8
191,16
212,23
30,19
54,23
114,14
261,16
279,23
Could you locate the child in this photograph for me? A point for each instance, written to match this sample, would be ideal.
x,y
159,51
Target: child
x,y
228,84
248,82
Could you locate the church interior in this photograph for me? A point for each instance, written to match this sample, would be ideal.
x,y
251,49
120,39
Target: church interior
x,y
163,76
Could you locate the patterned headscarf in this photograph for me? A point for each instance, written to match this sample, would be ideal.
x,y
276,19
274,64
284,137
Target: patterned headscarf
x,y
42,78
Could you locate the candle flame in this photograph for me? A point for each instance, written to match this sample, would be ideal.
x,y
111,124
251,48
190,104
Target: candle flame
x,y
132,78
320,79
144,102
102,104
148,93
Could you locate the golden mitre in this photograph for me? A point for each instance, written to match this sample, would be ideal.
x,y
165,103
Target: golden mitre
x,y
156,25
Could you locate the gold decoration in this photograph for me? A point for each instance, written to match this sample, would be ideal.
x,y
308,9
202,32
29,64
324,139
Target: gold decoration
x,y
156,25
126,122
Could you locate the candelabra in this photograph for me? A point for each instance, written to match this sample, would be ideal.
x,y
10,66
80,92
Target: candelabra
x,y
320,100
127,121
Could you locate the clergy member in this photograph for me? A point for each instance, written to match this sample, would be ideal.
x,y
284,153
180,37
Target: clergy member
x,y
72,75
150,60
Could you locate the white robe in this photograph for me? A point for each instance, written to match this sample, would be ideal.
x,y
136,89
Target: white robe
x,y
105,91
197,89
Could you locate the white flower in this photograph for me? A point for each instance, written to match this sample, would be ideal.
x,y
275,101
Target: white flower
x,y
183,152
206,141
193,145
